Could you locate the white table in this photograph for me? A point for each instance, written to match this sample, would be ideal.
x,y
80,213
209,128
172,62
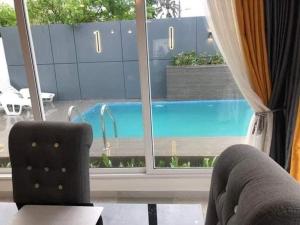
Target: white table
x,y
57,215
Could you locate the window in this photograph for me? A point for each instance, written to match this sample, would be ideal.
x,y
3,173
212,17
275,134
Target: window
x,y
158,97
91,66
197,108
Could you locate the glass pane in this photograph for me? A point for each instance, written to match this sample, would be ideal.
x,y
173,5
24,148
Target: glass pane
x,y
198,109
87,56
14,104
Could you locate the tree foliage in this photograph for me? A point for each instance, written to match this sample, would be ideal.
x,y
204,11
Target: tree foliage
x,y
7,15
168,8
77,11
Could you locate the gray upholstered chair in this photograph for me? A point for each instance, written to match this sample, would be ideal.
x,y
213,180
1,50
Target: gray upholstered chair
x,y
249,188
50,163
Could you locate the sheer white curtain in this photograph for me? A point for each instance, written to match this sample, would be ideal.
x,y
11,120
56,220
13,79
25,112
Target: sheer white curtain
x,y
223,24
4,76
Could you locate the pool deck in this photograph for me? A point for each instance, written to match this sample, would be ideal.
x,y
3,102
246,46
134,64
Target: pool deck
x,y
180,146
171,146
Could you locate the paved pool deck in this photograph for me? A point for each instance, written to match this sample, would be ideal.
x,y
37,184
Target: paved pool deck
x,y
180,146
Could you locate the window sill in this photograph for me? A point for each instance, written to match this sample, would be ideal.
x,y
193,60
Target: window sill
x,y
139,182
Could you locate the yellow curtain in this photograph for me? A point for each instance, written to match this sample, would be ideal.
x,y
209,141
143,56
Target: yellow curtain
x,y
251,24
295,160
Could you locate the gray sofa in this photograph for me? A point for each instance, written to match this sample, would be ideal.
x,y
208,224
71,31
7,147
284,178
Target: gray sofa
x,y
249,188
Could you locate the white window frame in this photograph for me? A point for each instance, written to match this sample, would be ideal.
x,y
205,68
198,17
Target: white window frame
x,y
143,52
144,73
29,60
148,178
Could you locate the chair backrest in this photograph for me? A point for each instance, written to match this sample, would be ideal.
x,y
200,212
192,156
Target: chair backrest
x,y
50,163
249,188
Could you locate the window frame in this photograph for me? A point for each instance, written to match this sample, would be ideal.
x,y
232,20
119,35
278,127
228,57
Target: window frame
x,y
30,64
144,73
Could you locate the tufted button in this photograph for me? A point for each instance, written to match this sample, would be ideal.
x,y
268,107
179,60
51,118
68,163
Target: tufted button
x,y
60,187
29,168
56,145
46,169
33,144
235,209
36,185
63,170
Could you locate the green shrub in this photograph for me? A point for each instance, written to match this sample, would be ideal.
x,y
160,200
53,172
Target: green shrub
x,y
7,15
216,59
192,59
209,161
174,162
161,163
186,164
188,58
105,161
206,162
131,163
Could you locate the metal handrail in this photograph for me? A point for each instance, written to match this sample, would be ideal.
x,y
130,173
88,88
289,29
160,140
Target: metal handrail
x,y
75,109
106,109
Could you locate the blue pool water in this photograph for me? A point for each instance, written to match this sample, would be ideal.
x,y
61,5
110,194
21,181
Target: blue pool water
x,y
176,118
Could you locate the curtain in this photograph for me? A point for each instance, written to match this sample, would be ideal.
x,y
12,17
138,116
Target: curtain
x,y
4,76
245,61
251,22
283,41
295,161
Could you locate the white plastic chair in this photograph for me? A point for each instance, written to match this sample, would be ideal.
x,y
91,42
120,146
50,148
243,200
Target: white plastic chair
x,y
13,104
24,92
46,97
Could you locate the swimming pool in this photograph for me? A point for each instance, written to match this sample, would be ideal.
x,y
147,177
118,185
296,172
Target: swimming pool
x,y
211,118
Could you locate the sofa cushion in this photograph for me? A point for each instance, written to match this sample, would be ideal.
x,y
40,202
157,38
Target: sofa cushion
x,y
249,188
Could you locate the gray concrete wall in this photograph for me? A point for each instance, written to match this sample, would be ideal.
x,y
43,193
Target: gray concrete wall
x,y
70,67
201,82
